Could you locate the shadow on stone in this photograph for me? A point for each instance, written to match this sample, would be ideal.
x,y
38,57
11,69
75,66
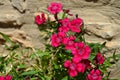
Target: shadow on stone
x,y
9,25
91,1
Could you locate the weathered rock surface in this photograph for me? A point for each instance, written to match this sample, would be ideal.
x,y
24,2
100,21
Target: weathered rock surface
x,y
101,19
19,5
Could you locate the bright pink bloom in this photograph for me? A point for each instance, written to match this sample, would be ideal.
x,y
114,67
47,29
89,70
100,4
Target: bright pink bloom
x,y
99,59
76,25
55,40
8,77
63,29
72,73
40,19
2,78
67,39
81,51
83,65
67,63
54,7
62,34
65,25
65,22
74,68
69,42
94,75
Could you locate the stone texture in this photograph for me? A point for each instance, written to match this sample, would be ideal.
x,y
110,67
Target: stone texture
x,y
35,38
9,17
19,36
27,19
19,5
115,3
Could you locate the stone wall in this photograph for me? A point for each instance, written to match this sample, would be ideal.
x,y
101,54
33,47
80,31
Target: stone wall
x,y
101,18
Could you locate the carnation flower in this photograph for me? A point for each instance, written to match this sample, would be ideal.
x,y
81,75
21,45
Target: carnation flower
x,y
94,75
83,64
56,39
55,7
40,19
2,78
63,29
76,25
8,77
74,68
69,42
81,51
99,59
65,22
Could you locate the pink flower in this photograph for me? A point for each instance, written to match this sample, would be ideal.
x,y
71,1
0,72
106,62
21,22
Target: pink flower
x,y
65,22
76,25
94,75
67,63
69,42
74,68
2,78
62,34
8,77
40,19
71,68
65,25
83,65
81,51
72,73
63,29
54,7
99,59
56,39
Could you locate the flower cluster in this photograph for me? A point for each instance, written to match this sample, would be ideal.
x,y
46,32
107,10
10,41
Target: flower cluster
x,y
66,34
8,77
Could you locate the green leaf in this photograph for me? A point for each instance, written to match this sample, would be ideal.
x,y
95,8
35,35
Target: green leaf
x,y
6,37
12,45
65,78
68,51
29,73
92,56
33,79
41,54
48,77
55,65
22,66
117,55
114,57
